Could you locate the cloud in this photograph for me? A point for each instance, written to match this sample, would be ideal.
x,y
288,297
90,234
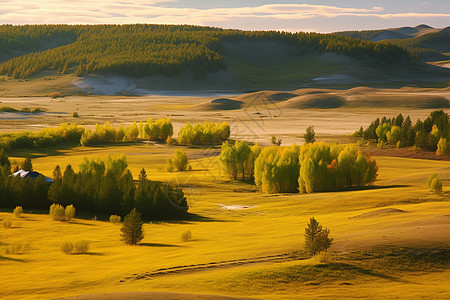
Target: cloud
x,y
154,11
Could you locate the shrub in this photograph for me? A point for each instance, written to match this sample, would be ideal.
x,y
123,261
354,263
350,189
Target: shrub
x,y
69,212
18,211
180,160
75,114
115,219
132,228
57,212
7,223
55,94
316,238
434,184
186,236
325,257
169,165
82,246
66,247
17,248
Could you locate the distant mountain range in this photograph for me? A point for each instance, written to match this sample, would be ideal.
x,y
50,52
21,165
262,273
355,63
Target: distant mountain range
x,y
423,41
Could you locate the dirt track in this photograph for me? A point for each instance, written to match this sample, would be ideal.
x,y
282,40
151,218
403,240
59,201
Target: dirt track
x,y
214,265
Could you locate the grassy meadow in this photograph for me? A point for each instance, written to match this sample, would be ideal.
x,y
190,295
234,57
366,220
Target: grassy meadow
x,y
390,238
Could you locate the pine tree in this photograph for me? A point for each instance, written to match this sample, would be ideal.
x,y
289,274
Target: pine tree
x,y
132,232
142,175
309,135
316,238
27,165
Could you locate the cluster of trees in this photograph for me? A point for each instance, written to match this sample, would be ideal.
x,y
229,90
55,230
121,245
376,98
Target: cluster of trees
x,y
313,167
143,50
108,134
400,131
101,186
208,133
329,168
65,133
238,160
160,129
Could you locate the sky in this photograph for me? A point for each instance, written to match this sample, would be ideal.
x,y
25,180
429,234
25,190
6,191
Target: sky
x,y
286,15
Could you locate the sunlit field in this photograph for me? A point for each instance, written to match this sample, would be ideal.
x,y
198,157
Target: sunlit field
x,y
389,238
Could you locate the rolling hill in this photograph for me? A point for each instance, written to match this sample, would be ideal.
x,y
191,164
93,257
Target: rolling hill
x,y
112,59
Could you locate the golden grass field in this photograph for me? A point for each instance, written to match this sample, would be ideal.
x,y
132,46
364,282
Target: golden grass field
x,y
392,241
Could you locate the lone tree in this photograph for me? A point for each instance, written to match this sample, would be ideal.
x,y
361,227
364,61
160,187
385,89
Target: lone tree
x,y
132,228
309,135
316,238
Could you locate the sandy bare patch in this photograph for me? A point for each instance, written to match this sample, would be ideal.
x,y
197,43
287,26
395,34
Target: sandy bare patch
x,y
379,212
236,206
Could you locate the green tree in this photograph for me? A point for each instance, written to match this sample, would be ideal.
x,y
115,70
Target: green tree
x,y
132,232
27,165
316,238
310,135
142,175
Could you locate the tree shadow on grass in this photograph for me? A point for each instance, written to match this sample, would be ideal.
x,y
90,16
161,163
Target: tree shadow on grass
x,y
158,245
11,259
371,187
90,253
80,223
189,218
349,267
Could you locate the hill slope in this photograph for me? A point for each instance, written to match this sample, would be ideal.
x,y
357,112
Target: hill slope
x,y
150,57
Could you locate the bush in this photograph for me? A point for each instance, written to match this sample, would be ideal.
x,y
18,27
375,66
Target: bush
x,y
7,223
69,212
82,246
115,219
434,184
169,165
17,248
75,114
18,211
180,160
132,228
57,212
186,236
55,95
66,247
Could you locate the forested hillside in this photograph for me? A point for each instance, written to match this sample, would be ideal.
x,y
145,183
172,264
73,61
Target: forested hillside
x,y
145,50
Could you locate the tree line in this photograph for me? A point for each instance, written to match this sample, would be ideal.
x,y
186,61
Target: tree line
x,y
100,186
313,167
144,50
431,134
208,133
